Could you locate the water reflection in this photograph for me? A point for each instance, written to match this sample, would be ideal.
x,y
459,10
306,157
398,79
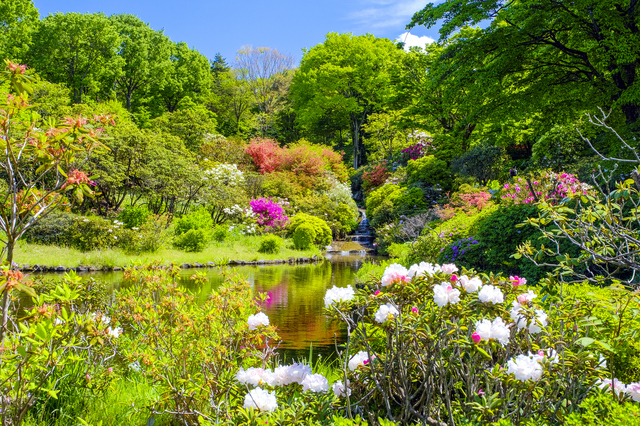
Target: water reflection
x,y
295,298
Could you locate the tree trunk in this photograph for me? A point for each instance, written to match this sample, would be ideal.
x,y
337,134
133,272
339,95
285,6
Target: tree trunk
x,y
5,295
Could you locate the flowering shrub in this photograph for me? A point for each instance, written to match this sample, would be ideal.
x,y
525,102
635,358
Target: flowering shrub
x,y
375,177
455,251
417,150
548,186
269,214
463,346
221,174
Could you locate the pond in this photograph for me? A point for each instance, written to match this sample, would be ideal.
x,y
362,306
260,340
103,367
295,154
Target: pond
x,y
295,298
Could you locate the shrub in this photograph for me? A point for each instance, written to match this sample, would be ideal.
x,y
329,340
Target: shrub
x,y
93,233
194,240
482,162
193,231
148,238
53,229
548,186
270,244
376,197
466,252
376,177
220,233
430,170
304,236
133,216
321,230
269,214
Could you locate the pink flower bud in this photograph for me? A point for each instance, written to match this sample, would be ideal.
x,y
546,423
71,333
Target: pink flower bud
x,y
480,392
476,338
414,310
377,292
454,278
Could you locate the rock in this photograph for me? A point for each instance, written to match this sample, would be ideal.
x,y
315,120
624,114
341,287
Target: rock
x,y
315,258
292,260
198,265
61,269
213,264
185,266
93,268
261,262
25,267
82,269
117,268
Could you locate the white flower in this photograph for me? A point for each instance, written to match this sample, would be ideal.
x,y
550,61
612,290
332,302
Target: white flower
x,y
114,332
135,228
521,320
615,384
297,372
492,294
525,367
338,294
315,383
250,376
471,285
339,389
110,230
85,220
525,298
444,293
496,330
395,273
261,399
357,360
386,312
59,321
449,268
422,269
633,390
256,320
135,366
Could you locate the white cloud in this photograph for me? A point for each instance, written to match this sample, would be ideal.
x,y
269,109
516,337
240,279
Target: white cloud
x,y
377,14
411,40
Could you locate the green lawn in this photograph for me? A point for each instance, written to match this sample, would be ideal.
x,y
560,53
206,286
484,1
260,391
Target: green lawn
x,y
245,248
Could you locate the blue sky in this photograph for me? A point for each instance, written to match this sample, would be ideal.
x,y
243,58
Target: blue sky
x,y
287,25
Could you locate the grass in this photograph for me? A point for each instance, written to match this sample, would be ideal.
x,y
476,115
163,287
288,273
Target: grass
x,y
242,248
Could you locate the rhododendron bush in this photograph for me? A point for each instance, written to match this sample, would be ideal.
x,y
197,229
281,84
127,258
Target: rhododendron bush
x,y
434,342
269,214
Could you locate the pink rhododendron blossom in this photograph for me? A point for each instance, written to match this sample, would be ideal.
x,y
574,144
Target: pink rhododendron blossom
x,y
449,268
471,285
444,294
454,278
414,310
395,273
517,281
476,338
526,298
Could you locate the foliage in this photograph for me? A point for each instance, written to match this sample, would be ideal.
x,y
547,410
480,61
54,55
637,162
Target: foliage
x,y
271,244
547,186
601,409
89,233
375,177
304,236
133,216
482,162
193,231
322,233
430,170
417,150
51,229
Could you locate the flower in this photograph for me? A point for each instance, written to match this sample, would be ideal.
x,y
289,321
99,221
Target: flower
x,y
633,390
476,338
471,285
358,360
338,294
492,294
444,294
257,320
297,372
250,376
395,273
261,399
449,268
525,367
414,310
517,281
315,383
495,329
616,385
521,320
114,332
386,312
339,389
527,297
422,269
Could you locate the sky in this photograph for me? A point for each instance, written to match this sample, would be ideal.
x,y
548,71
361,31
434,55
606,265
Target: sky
x,y
287,25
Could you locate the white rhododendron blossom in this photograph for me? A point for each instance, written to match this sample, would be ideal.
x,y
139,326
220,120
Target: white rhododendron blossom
x,y
423,269
257,320
471,285
615,384
449,268
530,366
283,375
297,372
395,273
633,390
251,376
445,293
496,330
338,294
361,358
222,174
386,312
261,399
525,298
490,294
315,383
114,332
339,389
521,320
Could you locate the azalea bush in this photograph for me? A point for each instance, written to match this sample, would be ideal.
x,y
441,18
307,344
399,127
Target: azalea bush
x,y
433,342
546,186
269,214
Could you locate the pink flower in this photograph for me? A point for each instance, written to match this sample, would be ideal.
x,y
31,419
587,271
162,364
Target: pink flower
x,y
454,278
377,292
414,310
517,281
480,392
476,338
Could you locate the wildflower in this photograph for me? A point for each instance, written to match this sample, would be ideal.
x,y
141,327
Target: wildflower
x,y
395,273
315,383
337,294
339,389
495,329
261,399
492,294
386,312
444,294
471,285
257,320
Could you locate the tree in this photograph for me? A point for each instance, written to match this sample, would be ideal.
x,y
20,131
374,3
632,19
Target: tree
x,y
188,75
79,50
348,75
190,125
219,65
39,164
18,19
146,57
553,55
231,101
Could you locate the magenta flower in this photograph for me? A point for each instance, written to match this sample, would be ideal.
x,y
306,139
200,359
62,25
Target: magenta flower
x,y
476,338
414,310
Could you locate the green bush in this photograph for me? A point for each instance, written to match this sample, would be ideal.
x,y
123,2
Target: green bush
x,y
410,201
194,240
51,229
220,233
429,169
198,219
482,162
304,236
322,231
270,244
93,233
133,216
148,238
375,198
603,410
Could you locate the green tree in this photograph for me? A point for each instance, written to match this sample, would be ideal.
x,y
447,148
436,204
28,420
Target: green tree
x,y
231,100
18,19
79,50
219,65
348,75
146,54
190,125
